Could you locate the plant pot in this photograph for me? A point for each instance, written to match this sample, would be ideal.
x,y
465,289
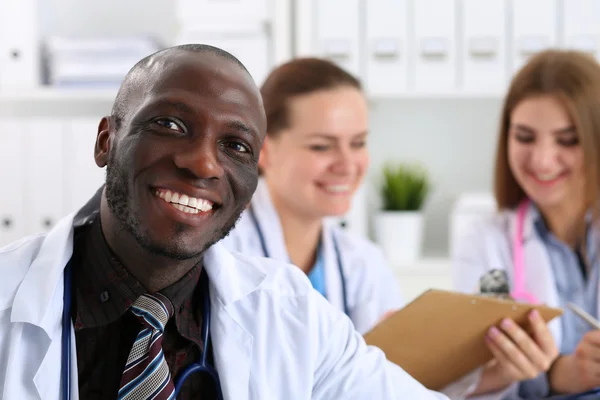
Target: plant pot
x,y
400,234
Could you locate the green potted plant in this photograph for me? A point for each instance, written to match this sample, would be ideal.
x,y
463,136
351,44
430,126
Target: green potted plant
x,y
399,225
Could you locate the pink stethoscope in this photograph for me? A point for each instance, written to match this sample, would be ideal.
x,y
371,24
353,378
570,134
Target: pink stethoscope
x,y
519,292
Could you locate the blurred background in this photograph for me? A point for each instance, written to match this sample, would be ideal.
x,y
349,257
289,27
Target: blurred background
x,y
435,72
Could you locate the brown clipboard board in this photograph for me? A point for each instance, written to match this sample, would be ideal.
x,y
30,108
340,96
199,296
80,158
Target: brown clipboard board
x,y
439,337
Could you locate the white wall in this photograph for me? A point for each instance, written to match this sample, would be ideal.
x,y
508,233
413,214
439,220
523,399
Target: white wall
x,y
454,138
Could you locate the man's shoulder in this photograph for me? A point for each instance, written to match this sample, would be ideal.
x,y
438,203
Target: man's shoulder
x,y
22,251
15,260
280,278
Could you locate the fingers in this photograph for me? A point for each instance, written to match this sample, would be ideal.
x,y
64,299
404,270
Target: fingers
x,y
543,336
512,355
593,338
510,370
528,347
588,351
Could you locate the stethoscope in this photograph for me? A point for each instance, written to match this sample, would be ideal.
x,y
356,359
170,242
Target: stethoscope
x,y
201,366
338,256
519,292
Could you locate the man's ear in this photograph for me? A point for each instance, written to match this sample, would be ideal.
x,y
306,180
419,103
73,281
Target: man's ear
x,y
103,140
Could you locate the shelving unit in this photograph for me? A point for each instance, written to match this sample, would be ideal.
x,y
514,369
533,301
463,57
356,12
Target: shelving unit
x,y
451,128
50,94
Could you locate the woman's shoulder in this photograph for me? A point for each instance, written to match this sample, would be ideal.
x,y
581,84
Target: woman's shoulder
x,y
484,236
497,223
355,244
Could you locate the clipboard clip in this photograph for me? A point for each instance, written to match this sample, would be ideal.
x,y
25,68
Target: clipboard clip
x,y
494,283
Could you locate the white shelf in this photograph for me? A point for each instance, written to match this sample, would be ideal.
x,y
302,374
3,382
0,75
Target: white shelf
x,y
56,94
108,95
453,95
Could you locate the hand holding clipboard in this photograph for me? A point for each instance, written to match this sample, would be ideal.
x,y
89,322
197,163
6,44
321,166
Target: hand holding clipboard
x,y
441,329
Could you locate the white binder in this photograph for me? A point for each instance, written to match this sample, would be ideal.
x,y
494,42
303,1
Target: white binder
x,y
45,173
12,176
20,60
82,176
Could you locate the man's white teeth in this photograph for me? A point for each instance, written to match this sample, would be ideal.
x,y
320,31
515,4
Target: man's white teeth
x,y
546,177
186,209
337,188
184,202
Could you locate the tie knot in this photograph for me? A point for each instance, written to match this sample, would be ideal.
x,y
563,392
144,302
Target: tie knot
x,y
153,310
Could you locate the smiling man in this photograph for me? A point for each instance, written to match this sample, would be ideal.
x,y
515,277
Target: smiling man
x,y
133,298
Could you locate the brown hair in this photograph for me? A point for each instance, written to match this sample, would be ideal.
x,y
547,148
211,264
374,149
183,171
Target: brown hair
x,y
574,78
297,77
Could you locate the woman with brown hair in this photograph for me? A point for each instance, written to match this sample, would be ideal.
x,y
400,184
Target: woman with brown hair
x,y
312,162
545,236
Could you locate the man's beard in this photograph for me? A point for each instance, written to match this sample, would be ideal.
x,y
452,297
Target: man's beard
x,y
119,200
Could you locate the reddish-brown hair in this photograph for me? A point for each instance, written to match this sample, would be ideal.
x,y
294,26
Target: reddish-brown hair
x,y
298,77
574,79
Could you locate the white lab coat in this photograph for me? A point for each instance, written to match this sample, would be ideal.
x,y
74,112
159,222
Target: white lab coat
x,y
274,337
488,245
372,288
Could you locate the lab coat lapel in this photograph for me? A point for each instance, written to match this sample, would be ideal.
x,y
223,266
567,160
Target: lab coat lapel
x,y
539,276
333,279
232,350
231,281
269,222
39,302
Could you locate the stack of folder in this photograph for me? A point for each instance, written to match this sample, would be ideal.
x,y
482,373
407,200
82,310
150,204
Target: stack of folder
x,y
93,62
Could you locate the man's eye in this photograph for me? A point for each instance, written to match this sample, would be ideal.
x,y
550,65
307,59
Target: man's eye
x,y
169,124
240,147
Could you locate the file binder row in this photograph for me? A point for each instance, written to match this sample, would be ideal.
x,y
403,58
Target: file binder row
x,y
47,171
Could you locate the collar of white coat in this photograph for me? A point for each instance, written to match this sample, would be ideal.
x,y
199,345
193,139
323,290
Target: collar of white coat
x,y
533,217
230,280
270,225
528,223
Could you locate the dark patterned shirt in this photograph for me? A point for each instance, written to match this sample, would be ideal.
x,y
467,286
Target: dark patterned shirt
x,y
105,330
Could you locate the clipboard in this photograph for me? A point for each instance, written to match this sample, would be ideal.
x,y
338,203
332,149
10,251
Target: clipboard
x,y
438,338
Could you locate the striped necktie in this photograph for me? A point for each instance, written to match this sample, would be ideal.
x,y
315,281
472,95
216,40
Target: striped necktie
x,y
146,375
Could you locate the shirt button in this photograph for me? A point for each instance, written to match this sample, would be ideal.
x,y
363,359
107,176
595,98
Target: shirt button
x,y
104,296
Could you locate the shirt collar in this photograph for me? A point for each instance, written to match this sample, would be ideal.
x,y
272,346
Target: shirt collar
x,y
104,289
543,231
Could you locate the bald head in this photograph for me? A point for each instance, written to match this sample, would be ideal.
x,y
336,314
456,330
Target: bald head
x,y
149,68
192,122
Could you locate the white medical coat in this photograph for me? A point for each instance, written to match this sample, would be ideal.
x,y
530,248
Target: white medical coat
x,y
489,245
372,289
274,337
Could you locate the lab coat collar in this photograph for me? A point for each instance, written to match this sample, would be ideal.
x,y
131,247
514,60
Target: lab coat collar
x,y
269,222
44,280
333,278
529,224
230,279
535,225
